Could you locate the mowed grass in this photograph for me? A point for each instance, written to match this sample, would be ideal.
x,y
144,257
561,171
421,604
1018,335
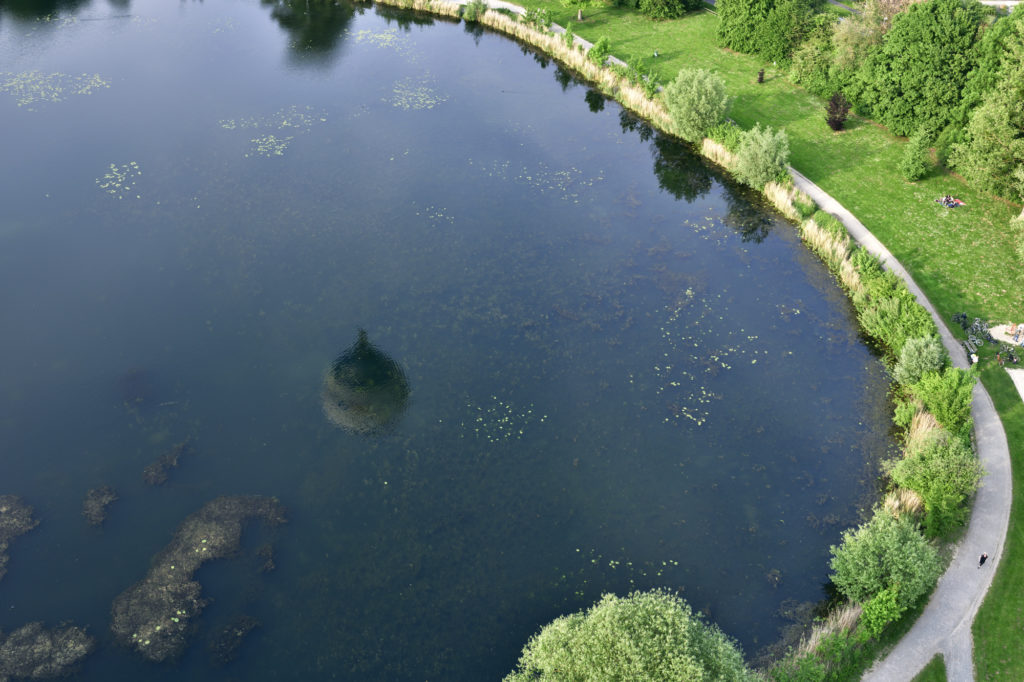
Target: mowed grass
x,y
935,671
999,627
962,258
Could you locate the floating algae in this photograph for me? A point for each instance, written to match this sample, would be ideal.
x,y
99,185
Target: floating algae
x,y
94,508
120,181
498,421
291,119
15,519
388,39
365,391
415,94
268,145
566,184
32,652
225,644
153,616
32,87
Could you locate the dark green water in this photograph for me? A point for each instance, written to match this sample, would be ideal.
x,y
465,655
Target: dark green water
x,y
623,371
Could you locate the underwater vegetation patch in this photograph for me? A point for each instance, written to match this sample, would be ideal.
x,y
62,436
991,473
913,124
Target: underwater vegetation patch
x,y
415,94
34,87
15,519
120,181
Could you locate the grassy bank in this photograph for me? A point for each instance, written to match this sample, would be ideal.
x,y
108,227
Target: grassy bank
x,y
935,671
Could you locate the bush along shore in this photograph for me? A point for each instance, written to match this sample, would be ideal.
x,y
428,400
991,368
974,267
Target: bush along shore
x,y
885,568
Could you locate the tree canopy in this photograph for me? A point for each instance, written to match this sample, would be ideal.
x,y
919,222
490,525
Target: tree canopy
x,y
646,636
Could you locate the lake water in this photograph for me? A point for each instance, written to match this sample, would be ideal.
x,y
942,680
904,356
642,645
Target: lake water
x,y
623,371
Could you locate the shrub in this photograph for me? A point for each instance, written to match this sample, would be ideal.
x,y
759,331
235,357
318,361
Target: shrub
x,y
893,317
836,111
727,134
472,11
650,85
919,355
883,553
914,164
945,472
569,37
947,395
600,50
696,101
762,156
738,21
538,18
645,636
881,610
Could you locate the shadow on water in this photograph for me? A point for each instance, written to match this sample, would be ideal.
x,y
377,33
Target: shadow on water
x,y
365,391
314,27
28,10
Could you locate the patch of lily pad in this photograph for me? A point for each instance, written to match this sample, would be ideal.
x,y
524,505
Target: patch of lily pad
x,y
30,88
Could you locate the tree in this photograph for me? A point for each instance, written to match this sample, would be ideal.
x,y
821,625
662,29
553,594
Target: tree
x,y
993,148
762,156
944,471
738,20
883,553
919,73
696,101
785,27
645,636
836,111
914,163
667,9
579,6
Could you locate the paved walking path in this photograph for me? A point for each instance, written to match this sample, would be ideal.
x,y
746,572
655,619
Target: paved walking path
x,y
945,625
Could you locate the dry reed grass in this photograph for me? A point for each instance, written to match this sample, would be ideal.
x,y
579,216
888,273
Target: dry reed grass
x,y
442,7
843,619
718,153
782,198
903,501
922,428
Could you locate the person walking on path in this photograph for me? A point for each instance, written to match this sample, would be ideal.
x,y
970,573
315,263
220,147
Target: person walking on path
x,y
982,559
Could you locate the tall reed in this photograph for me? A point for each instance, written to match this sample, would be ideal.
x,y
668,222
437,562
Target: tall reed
x,y
842,620
718,152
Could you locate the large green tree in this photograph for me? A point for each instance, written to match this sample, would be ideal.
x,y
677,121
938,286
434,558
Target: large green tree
x,y
884,553
696,101
993,146
738,21
645,636
785,27
917,76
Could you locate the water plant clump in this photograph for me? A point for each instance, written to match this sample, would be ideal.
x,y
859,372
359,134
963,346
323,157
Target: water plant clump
x,y
224,645
120,181
153,616
415,94
157,472
365,391
32,652
15,519
94,507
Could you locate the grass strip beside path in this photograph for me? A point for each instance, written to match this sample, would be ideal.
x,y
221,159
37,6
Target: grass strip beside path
x,y
935,671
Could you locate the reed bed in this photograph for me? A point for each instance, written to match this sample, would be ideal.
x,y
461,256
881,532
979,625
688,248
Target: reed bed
x,y
923,427
903,501
718,152
441,7
783,198
841,620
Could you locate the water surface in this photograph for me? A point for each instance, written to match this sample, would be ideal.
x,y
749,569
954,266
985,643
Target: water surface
x,y
624,372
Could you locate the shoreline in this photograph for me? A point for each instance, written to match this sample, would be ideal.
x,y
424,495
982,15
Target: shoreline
x,y
939,629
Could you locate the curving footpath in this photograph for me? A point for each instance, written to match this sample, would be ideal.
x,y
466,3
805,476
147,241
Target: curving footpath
x,y
945,625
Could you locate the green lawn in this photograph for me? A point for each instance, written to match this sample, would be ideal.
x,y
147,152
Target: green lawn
x,y
963,258
935,671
